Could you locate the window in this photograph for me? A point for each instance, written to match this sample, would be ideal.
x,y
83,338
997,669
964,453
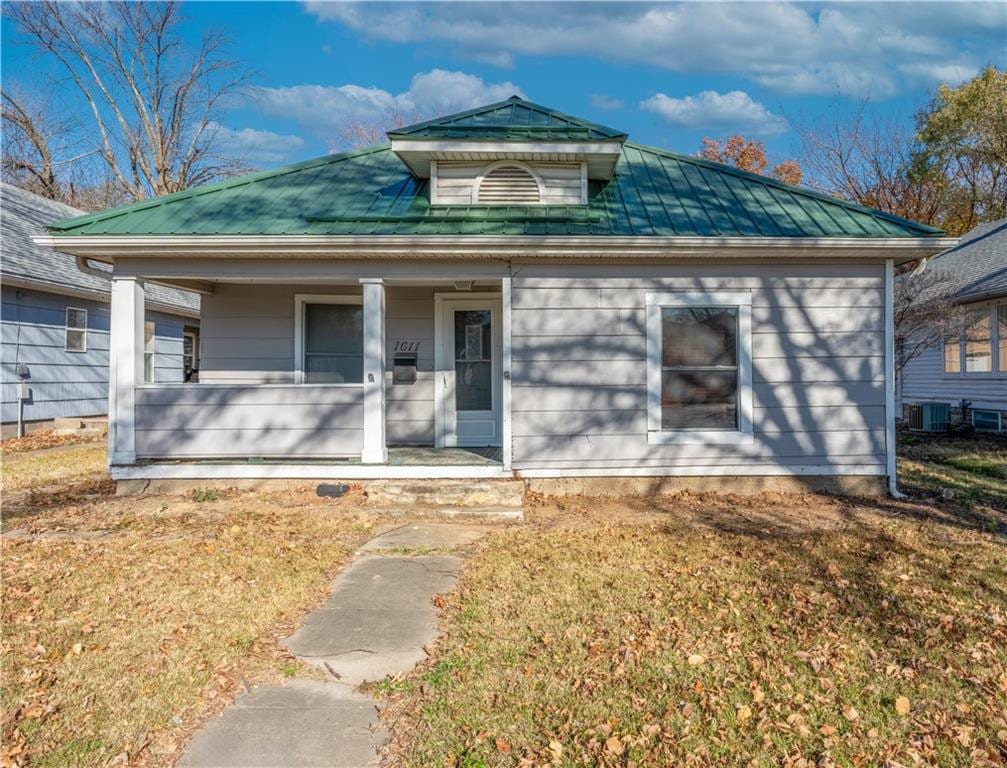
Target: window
x,y
982,347
509,184
329,339
979,344
190,356
148,352
76,330
986,420
699,370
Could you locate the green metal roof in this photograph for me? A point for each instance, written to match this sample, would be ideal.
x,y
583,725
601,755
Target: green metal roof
x,y
371,192
511,120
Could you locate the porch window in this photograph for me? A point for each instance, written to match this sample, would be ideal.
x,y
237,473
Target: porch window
x,y
148,352
699,368
330,339
76,330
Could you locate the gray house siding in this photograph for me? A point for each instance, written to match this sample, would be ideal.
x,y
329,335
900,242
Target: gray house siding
x,y
923,380
62,383
579,371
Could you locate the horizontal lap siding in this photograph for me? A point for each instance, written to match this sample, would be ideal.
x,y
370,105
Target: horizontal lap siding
x,y
68,384
924,380
239,421
579,366
456,182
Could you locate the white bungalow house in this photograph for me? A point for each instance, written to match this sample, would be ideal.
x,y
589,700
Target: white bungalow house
x,y
508,291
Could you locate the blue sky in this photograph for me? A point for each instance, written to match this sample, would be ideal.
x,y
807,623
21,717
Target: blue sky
x,y
666,73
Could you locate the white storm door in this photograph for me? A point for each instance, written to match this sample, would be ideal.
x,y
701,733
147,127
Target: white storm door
x,y
469,381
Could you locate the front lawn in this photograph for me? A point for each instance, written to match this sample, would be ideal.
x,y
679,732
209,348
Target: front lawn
x,y
127,621
690,630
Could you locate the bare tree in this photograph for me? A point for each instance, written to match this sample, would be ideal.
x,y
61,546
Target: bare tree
x,y
149,104
925,313
354,134
27,157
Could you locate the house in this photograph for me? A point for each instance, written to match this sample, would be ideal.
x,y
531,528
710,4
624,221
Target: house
x,y
508,291
55,318
969,370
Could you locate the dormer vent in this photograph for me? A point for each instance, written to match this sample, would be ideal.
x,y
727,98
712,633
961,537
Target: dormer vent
x,y
511,184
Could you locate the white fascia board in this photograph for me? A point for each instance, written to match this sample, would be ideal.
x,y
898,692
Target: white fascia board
x,y
469,146
494,246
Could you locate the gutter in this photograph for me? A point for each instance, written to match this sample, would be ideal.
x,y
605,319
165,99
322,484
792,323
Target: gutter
x,y
494,246
94,295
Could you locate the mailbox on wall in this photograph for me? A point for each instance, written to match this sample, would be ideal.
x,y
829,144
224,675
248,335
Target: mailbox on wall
x,y
404,368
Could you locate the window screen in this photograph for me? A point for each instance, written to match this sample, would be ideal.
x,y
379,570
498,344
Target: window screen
x,y
333,344
699,368
76,330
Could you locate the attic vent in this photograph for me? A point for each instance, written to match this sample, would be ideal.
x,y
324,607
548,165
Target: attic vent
x,y
509,184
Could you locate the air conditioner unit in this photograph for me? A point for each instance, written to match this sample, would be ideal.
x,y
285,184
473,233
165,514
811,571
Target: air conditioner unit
x,y
928,417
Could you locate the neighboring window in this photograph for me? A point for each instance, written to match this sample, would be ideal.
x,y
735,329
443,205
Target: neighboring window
x,y
509,184
76,330
979,344
952,356
1002,336
330,340
699,367
148,352
190,363
986,420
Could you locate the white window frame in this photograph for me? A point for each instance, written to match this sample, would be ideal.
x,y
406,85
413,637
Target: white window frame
x,y
153,351
745,433
300,300
67,328
998,367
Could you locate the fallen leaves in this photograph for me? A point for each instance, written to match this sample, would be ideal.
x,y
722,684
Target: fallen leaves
x,y
902,705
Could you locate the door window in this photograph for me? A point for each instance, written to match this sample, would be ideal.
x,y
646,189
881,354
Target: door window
x,y
473,360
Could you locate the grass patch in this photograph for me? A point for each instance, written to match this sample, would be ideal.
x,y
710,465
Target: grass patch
x,y
25,471
581,641
115,648
202,495
972,469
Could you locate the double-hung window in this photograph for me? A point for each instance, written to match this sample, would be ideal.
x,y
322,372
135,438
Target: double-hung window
x,y
981,348
329,339
75,339
699,368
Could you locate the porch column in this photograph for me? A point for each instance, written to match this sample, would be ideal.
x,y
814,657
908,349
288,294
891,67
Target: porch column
x,y
125,352
374,451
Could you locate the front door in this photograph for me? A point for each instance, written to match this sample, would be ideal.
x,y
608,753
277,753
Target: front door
x,y
469,381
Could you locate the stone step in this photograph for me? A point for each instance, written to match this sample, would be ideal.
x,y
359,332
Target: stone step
x,y
485,494
74,425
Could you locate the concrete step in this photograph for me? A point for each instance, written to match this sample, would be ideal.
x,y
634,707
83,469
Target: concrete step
x,y
73,425
447,494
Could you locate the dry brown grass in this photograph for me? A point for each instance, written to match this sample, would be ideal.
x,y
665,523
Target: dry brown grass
x,y
704,630
127,621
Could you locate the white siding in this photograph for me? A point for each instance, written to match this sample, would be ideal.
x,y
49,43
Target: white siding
x,y
579,366
456,182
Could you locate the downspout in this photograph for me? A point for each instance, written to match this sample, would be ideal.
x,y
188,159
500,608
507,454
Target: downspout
x,y
890,463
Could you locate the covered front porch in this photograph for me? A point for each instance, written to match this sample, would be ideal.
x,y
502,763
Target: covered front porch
x,y
317,373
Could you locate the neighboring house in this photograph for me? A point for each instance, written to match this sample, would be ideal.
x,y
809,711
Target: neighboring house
x,y
521,282
970,370
55,320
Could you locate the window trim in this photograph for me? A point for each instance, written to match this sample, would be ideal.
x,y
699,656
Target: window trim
x,y
745,433
152,353
67,328
998,367
477,185
300,301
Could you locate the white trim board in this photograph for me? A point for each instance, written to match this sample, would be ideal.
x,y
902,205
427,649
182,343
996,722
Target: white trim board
x,y
737,470
293,471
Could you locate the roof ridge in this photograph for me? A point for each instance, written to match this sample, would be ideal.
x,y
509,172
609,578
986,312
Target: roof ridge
x,y
793,188
236,181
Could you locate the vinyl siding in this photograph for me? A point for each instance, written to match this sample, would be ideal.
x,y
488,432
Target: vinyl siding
x,y
69,384
923,380
579,366
561,182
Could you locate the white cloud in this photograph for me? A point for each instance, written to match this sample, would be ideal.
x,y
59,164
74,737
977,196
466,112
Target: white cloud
x,y
600,101
949,73
326,109
856,48
709,110
255,146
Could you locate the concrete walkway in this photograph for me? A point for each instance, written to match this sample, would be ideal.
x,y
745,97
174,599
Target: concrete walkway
x,y
376,622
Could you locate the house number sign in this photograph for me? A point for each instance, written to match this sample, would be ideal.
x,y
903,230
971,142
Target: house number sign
x,y
402,345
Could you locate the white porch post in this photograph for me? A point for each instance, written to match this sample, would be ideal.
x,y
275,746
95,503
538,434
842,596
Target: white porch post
x,y
374,451
505,327
125,345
